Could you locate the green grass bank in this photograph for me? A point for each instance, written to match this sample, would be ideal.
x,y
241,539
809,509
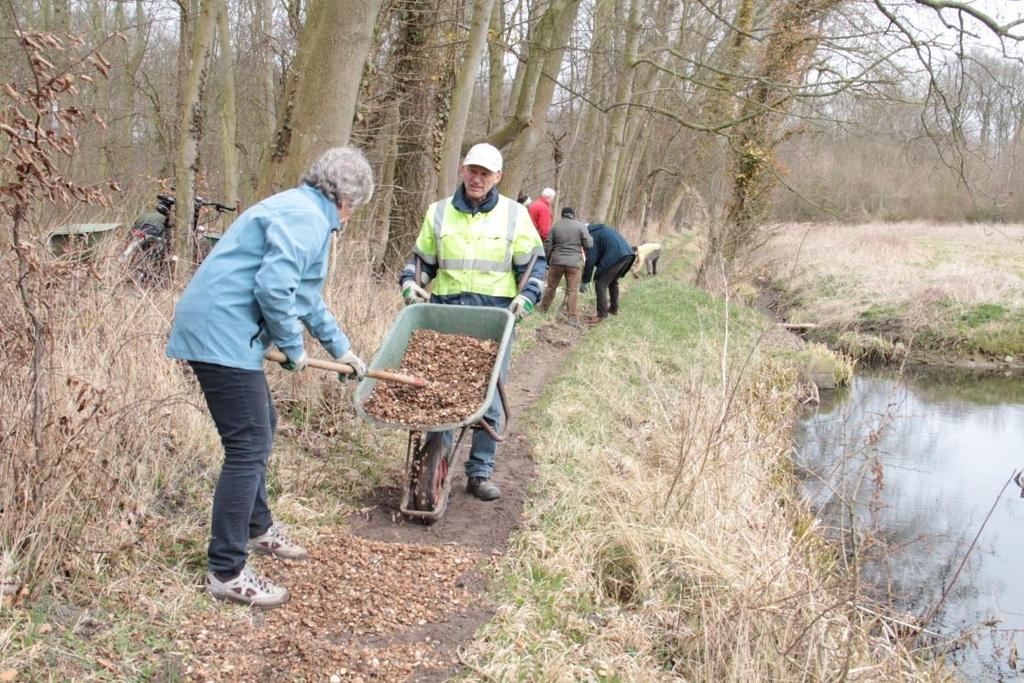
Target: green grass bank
x,y
933,294
662,540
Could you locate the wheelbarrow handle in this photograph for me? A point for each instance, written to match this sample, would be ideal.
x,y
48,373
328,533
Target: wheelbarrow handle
x,y
525,279
345,369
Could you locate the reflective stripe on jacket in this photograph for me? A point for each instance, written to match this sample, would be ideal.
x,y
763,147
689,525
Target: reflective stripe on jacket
x,y
481,252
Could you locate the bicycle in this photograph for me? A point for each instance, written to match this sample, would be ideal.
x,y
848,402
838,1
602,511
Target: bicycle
x,y
148,256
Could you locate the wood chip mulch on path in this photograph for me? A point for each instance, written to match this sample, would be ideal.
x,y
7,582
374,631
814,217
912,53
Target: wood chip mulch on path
x,y
360,611
457,368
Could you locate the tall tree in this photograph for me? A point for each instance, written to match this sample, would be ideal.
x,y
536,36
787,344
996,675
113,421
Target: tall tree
x,y
783,63
496,67
615,139
320,99
463,95
228,117
418,72
547,34
192,128
522,156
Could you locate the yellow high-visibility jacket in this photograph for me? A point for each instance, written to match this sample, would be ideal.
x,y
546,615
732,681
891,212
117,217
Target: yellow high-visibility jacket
x,y
479,252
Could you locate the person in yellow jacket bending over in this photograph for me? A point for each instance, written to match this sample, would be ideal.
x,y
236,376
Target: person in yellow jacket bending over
x,y
474,247
647,256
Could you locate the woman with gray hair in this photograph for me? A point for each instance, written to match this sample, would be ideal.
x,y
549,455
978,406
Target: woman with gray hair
x,y
260,287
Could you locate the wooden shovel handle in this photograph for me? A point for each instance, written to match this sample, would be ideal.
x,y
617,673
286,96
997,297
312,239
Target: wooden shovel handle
x,y
345,369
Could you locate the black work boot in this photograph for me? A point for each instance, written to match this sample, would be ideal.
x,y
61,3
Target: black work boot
x,y
483,488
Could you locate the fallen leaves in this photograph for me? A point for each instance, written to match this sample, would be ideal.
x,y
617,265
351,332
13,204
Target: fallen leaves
x,y
360,610
457,368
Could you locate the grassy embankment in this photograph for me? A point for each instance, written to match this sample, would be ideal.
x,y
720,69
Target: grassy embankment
x,y
619,571
942,294
662,539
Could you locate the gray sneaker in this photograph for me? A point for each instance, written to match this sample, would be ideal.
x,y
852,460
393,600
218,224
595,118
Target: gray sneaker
x,y
276,542
483,488
248,589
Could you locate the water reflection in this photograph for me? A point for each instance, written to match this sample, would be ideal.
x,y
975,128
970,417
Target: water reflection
x,y
910,469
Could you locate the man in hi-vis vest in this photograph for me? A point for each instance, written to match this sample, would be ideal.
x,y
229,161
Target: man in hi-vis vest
x,y
475,247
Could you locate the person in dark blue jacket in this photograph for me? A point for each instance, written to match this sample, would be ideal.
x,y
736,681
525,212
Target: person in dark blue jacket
x,y
608,260
260,287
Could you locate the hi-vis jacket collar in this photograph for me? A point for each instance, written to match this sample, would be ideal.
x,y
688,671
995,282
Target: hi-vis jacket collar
x,y
462,205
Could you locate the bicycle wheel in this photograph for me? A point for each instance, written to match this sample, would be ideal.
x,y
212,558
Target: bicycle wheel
x,y
145,263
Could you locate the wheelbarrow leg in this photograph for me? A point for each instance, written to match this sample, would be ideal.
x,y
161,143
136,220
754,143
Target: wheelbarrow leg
x,y
409,481
428,472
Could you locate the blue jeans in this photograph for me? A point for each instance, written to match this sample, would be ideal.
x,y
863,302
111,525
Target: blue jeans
x,y
481,454
239,401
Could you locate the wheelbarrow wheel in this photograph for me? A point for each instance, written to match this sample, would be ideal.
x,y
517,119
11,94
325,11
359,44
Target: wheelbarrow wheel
x,y
432,476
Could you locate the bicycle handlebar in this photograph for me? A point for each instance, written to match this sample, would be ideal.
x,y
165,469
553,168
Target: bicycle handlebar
x,y
223,208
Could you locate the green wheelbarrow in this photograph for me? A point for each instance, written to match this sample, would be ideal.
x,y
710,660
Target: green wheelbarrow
x,y
428,463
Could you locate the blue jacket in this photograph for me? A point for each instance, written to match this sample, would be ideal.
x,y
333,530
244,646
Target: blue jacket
x,y
609,248
261,285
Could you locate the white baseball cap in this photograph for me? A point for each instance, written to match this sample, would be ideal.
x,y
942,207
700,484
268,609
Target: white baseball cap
x,y
484,155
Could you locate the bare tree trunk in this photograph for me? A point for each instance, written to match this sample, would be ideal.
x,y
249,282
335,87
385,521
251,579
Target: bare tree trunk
x,y
320,100
30,305
185,26
533,23
294,10
617,125
386,148
266,108
61,16
548,33
192,128
522,157
451,151
597,76
782,66
418,70
720,104
496,68
228,116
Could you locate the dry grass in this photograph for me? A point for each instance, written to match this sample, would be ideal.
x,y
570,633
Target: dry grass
x,y
938,283
103,531
663,541
615,578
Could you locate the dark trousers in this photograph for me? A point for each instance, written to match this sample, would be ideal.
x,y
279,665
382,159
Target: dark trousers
x,y
606,286
240,403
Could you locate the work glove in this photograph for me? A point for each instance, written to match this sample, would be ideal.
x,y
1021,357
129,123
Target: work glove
x,y
584,288
357,364
414,294
521,306
297,365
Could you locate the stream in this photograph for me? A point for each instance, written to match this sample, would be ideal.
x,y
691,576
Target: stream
x,y
918,463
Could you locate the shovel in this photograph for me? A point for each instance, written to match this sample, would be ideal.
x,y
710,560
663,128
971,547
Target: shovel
x,y
344,369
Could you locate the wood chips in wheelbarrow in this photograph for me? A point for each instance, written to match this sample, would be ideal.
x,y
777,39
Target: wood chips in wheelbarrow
x,y
457,368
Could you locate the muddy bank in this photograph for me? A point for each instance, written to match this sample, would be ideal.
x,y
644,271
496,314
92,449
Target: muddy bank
x,y
891,340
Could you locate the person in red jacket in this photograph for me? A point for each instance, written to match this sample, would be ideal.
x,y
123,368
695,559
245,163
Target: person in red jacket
x,y
540,212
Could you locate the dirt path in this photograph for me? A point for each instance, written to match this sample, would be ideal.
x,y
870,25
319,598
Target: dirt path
x,y
387,599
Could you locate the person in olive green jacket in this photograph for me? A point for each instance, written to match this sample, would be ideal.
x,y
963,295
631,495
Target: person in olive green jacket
x,y
565,246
